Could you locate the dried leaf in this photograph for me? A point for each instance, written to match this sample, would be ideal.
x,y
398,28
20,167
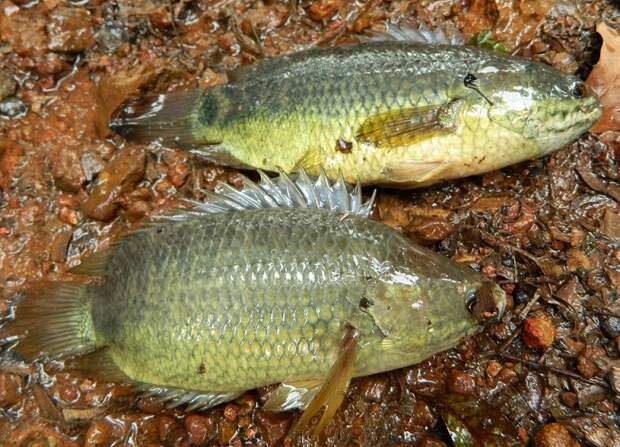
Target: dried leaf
x,y
114,89
611,224
605,80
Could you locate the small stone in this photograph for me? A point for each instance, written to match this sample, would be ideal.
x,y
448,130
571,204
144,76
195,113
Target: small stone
x,y
111,36
8,85
569,399
70,30
25,32
10,388
610,326
178,174
68,216
51,64
461,383
554,435
324,9
493,368
273,427
538,332
92,164
66,169
230,412
586,362
199,428
13,107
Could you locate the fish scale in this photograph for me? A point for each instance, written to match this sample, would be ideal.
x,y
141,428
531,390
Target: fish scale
x,y
296,287
295,112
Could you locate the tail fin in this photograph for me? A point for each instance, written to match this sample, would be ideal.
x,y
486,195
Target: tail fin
x,y
169,118
51,320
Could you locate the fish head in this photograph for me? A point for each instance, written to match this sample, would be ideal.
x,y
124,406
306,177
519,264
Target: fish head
x,y
425,314
543,105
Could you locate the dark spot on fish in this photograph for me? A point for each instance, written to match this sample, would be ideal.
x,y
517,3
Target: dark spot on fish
x,y
160,230
429,323
202,369
365,303
482,159
344,146
207,111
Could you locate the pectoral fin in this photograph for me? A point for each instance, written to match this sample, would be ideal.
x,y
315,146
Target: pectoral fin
x,y
292,395
406,126
413,172
332,392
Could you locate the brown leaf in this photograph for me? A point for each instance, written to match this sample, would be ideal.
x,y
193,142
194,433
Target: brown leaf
x,y
114,90
605,79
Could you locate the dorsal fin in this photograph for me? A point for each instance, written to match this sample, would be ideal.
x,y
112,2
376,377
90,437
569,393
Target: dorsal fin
x,y
421,34
284,191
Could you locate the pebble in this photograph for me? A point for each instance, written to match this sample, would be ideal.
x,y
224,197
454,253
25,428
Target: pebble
x,y
273,427
51,64
92,164
586,362
13,107
610,326
230,412
178,174
569,399
324,9
70,30
538,332
554,435
25,32
68,216
10,387
111,36
461,383
66,169
8,85
199,428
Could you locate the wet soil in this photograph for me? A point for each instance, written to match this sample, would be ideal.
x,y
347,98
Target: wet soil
x,y
547,230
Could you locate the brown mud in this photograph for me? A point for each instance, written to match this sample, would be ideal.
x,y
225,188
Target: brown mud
x,y
547,230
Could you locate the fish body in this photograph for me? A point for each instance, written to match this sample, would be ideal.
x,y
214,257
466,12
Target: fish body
x,y
222,302
403,114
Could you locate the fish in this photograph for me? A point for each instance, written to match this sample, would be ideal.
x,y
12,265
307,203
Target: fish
x,y
391,111
286,281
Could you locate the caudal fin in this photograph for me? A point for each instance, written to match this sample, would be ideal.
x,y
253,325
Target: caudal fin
x,y
52,320
170,119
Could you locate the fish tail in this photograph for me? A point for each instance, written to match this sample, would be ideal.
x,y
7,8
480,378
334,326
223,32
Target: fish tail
x,y
50,320
171,119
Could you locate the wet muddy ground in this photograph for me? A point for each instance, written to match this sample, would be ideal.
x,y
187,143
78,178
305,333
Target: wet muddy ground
x,y
547,230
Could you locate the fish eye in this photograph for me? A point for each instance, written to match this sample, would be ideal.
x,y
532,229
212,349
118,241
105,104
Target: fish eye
x,y
578,90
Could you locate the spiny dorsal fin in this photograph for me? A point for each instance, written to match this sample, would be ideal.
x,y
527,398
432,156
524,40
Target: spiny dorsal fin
x,y
421,34
284,191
